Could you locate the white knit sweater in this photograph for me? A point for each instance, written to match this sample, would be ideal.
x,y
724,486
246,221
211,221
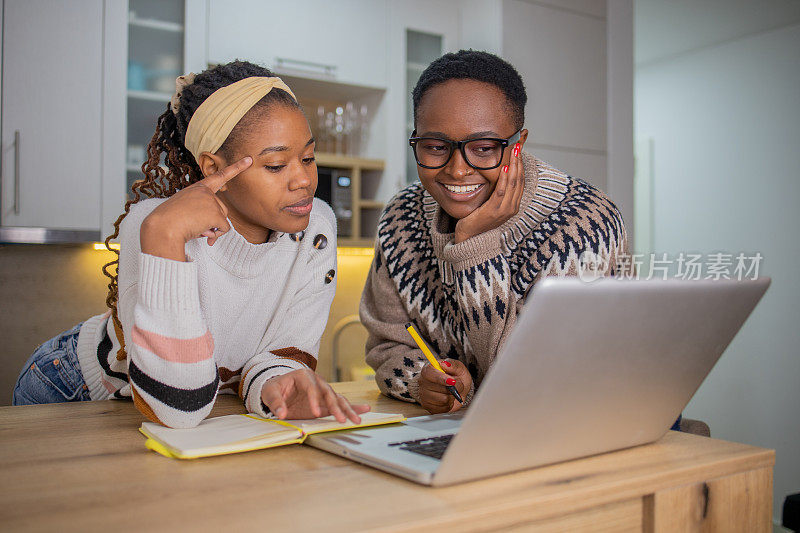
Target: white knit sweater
x,y
227,320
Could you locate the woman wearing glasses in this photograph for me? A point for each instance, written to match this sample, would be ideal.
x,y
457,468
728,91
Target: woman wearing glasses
x,y
457,253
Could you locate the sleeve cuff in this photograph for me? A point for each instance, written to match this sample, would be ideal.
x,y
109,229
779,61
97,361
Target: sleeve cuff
x,y
263,373
413,388
470,395
168,285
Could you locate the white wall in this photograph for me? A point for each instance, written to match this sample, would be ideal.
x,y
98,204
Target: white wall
x,y
481,25
619,110
559,49
565,53
725,124
576,57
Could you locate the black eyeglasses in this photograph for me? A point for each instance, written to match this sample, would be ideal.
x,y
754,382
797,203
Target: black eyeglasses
x,y
484,153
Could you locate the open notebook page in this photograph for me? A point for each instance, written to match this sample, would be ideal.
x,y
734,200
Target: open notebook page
x,y
230,432
328,423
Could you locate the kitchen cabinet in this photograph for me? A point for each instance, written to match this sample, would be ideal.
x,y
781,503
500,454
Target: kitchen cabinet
x,y
52,136
148,44
570,109
161,46
359,45
568,96
362,178
418,31
344,41
75,116
350,163
155,41
331,53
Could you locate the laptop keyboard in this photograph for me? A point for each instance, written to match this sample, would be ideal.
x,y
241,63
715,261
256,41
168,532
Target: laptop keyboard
x,y
430,446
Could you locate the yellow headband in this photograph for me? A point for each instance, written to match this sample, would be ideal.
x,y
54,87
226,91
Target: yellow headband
x,y
216,117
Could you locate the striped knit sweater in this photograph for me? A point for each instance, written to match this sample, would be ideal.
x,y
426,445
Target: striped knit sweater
x,y
227,320
464,298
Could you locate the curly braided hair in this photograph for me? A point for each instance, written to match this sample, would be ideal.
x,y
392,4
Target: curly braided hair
x,y
181,168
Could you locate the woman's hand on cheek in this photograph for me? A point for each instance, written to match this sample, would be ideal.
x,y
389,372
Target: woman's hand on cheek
x,y
304,394
501,205
191,213
433,394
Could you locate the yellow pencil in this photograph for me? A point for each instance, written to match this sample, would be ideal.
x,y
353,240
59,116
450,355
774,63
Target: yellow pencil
x,y
431,359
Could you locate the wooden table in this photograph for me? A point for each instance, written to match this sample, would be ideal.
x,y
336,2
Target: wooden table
x,y
83,466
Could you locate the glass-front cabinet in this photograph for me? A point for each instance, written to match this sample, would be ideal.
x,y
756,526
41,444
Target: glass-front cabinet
x,y
116,62
421,50
155,59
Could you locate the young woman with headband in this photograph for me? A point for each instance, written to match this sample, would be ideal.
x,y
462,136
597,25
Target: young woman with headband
x,y
225,272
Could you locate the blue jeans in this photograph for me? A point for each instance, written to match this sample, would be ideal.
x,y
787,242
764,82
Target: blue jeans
x,y
53,374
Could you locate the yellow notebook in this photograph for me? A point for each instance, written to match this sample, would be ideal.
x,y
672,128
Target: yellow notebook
x,y
242,433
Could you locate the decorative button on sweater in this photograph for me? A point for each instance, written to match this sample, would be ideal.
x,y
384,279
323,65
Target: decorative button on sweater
x,y
320,242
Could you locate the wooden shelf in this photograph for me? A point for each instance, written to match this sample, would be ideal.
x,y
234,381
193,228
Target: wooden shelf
x,y
370,204
355,243
325,159
418,67
153,96
322,88
138,168
356,166
155,24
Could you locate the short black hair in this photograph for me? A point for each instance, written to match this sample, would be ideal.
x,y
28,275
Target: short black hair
x,y
479,66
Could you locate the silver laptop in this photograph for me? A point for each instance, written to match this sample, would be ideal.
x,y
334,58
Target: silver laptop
x,y
589,368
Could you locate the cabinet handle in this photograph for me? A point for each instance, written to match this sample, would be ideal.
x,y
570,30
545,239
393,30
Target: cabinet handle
x,y
308,67
16,172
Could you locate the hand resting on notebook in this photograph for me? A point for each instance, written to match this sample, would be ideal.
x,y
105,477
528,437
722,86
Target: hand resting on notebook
x,y
302,394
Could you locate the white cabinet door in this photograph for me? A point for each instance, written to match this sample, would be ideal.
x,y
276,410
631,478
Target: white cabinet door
x,y
435,17
195,49
561,56
349,35
51,113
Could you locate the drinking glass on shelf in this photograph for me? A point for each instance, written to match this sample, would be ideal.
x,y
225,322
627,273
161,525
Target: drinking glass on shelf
x,y
330,131
137,76
321,132
363,126
350,128
338,130
342,130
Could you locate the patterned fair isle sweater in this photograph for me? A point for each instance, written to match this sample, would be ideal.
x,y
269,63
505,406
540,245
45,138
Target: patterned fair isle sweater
x,y
227,320
464,298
